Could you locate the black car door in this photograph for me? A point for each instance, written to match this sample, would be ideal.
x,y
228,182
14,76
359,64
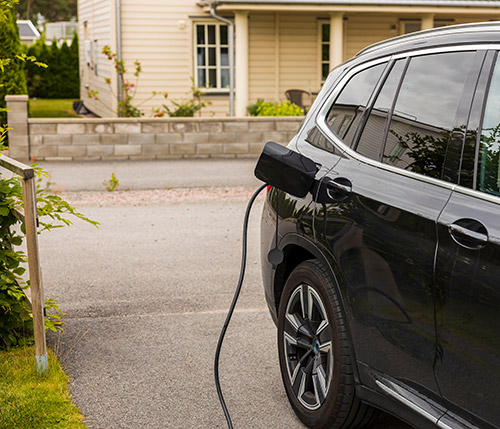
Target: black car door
x,y
468,269
377,214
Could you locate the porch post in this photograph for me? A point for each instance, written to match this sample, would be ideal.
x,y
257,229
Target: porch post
x,y
427,21
336,39
241,62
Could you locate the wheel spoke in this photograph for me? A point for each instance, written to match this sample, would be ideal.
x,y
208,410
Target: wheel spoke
x,y
319,381
325,347
322,326
298,381
306,301
299,342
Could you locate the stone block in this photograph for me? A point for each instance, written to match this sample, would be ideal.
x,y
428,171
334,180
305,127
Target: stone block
x,y
287,126
182,149
44,151
277,136
169,138
261,126
36,140
72,151
56,140
235,127
43,128
155,127
114,158
181,127
156,149
127,128
86,139
246,156
100,150
17,116
70,128
127,150
19,153
106,128
208,148
113,139
18,141
210,127
195,138
18,128
141,157
58,158
141,139
86,158
255,148
235,148
255,137
222,138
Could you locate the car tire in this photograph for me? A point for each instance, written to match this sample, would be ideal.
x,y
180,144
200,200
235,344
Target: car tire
x,y
315,356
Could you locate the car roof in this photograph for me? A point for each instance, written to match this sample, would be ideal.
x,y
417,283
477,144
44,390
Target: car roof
x,y
484,32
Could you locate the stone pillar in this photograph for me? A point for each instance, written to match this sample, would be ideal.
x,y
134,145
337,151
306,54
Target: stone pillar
x,y
241,62
427,21
17,118
336,39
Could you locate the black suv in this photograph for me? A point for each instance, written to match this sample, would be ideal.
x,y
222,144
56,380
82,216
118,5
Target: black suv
x,y
384,280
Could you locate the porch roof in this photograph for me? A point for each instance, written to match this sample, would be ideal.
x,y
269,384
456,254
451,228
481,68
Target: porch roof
x,y
397,6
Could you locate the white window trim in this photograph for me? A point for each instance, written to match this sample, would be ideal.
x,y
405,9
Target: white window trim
x,y
217,45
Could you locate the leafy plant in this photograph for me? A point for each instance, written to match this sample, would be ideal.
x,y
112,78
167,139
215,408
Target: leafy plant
x,y
112,183
184,108
16,324
283,108
128,89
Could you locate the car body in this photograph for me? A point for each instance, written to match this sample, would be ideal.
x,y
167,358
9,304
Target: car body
x,y
400,237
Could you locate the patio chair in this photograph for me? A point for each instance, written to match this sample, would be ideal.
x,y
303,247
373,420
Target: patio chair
x,y
299,97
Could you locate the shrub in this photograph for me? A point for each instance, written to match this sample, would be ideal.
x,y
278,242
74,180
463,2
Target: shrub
x,y
12,79
283,108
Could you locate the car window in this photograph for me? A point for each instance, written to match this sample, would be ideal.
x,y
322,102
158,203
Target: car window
x,y
347,111
372,137
488,171
425,110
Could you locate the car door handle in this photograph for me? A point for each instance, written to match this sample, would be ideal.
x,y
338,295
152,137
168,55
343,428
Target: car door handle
x,y
469,233
340,185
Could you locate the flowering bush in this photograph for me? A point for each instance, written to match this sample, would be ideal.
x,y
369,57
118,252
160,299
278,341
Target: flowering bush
x,y
128,89
284,108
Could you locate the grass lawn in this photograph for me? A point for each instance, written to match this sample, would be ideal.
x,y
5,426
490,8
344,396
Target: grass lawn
x,y
52,108
28,400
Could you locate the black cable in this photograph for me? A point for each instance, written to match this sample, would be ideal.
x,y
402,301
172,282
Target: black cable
x,y
231,309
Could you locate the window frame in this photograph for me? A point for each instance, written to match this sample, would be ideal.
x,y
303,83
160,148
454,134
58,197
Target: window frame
x,y
322,124
218,46
323,23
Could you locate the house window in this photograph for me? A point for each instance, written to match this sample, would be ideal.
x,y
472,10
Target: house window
x,y
211,56
325,50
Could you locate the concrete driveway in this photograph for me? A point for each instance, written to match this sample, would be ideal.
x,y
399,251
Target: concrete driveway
x,y
146,296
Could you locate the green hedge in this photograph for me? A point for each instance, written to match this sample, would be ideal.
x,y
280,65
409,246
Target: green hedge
x,y
62,78
12,80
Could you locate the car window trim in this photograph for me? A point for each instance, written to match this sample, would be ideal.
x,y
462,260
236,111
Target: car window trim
x,y
322,124
481,120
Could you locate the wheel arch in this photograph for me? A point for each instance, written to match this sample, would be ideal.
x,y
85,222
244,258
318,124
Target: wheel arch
x,y
297,249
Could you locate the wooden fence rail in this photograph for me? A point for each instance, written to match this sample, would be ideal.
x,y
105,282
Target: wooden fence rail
x,y
30,220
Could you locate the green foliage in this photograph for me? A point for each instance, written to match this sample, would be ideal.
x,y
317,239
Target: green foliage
x,y
284,108
128,89
111,184
12,79
184,108
62,79
16,325
51,10
51,108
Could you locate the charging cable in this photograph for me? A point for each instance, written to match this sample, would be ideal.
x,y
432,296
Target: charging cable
x,y
233,304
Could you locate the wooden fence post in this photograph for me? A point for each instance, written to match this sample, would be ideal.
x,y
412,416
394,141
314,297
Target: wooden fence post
x,y
36,286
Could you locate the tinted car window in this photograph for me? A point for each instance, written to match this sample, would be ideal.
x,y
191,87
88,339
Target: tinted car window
x,y
425,111
372,137
347,111
488,172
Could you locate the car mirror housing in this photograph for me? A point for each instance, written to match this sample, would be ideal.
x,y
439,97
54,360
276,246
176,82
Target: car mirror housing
x,y
286,170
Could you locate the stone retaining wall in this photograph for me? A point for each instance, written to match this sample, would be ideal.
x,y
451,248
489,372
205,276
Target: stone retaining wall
x,y
82,139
